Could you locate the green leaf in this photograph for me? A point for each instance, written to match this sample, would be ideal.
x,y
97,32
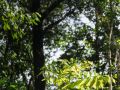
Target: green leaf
x,y
82,83
75,83
2,82
113,80
38,14
108,79
14,35
89,83
15,26
12,87
95,82
101,84
6,26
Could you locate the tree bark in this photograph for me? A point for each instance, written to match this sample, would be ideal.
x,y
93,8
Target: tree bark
x,y
109,44
38,58
38,53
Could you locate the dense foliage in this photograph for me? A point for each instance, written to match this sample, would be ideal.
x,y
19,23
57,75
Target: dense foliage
x,y
87,32
69,75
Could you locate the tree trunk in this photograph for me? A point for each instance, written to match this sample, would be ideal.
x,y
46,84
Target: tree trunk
x,y
38,58
109,44
38,53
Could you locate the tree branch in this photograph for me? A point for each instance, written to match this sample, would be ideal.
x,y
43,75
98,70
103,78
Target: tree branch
x,y
50,9
58,21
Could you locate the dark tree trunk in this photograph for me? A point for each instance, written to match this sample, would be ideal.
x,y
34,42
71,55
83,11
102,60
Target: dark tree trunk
x,y
38,53
38,37
38,58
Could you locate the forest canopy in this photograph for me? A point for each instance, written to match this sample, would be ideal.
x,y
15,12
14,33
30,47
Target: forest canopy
x,y
59,44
